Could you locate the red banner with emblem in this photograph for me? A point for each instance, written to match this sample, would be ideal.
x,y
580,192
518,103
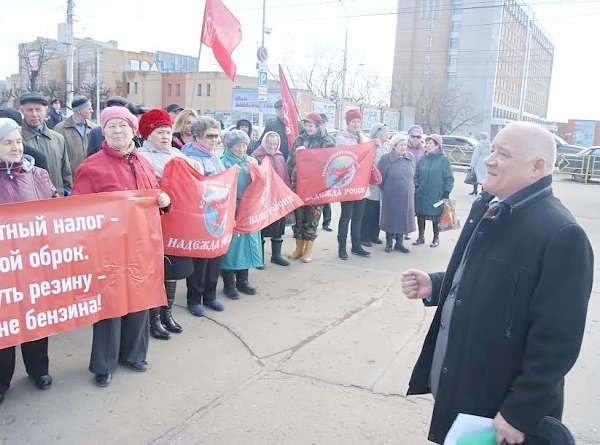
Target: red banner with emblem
x,y
200,222
70,262
334,174
266,199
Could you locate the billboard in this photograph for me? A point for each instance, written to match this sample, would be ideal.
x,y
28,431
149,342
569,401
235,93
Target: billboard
x,y
583,133
246,100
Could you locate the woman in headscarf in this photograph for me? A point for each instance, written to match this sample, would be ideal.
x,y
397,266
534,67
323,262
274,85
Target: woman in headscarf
x,y
245,249
21,181
433,182
269,148
155,129
481,152
398,193
118,166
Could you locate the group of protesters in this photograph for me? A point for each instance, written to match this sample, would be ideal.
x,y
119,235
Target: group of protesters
x,y
129,150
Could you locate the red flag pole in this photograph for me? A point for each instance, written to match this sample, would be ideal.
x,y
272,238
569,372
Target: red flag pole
x,y
192,95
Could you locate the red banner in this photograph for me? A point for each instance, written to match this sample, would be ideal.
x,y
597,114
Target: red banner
x,y
290,112
70,262
266,199
334,174
200,222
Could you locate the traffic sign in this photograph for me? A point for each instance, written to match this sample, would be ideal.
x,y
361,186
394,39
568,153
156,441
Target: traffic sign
x,y
262,54
263,82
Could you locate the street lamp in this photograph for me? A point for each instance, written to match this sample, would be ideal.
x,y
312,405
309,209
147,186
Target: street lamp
x,y
344,70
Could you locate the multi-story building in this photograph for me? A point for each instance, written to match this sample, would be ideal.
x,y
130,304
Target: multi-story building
x,y
463,61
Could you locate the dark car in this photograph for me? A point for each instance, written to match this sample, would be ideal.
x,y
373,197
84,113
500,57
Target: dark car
x,y
562,149
459,149
582,165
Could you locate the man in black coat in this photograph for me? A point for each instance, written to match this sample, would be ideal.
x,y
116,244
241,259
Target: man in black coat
x,y
511,306
278,126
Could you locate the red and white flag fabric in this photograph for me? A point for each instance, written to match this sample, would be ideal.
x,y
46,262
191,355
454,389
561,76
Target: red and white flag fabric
x,y
334,174
222,32
200,222
290,112
266,199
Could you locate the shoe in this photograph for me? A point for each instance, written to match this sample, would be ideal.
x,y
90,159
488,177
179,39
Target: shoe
x,y
166,316
418,241
377,241
388,246
276,257
308,249
242,284
137,366
435,242
196,310
407,237
360,252
215,305
296,254
366,244
342,253
327,228
473,193
43,381
103,380
157,330
229,285
401,248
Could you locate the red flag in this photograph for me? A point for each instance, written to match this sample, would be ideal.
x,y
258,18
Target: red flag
x,y
266,200
334,174
200,222
290,113
221,31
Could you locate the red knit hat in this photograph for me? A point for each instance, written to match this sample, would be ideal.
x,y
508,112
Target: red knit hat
x,y
313,117
353,114
153,119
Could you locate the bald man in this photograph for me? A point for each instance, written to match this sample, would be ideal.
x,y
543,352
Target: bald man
x,y
512,303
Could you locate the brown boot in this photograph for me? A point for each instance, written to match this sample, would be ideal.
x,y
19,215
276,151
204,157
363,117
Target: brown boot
x,y
308,248
299,250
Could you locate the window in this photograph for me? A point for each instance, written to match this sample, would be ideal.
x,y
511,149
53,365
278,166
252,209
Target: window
x,y
135,88
429,40
199,89
128,88
169,90
453,43
426,75
427,59
177,89
429,25
208,89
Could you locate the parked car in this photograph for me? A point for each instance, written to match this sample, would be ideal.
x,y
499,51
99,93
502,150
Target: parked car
x,y
459,149
582,165
563,148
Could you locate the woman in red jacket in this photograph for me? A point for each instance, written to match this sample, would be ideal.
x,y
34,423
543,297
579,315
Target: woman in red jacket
x,y
115,167
20,181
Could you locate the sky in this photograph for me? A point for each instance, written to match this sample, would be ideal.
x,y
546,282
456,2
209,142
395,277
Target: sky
x,y
299,28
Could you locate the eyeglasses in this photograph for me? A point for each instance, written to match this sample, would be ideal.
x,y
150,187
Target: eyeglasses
x,y
211,136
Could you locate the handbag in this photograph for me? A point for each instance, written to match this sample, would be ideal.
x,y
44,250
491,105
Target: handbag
x,y
375,178
471,177
449,219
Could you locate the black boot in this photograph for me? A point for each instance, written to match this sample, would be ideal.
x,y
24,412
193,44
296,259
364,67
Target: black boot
x,y
357,247
399,244
389,242
242,284
276,252
229,285
474,192
263,255
342,253
166,316
157,330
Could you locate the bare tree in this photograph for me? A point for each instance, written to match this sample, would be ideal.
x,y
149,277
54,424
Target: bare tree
x,y
89,90
54,90
6,95
33,58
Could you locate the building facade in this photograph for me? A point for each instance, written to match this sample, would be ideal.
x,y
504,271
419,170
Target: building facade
x,y
482,64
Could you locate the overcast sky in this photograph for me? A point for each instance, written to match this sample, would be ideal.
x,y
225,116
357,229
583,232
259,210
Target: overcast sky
x,y
299,27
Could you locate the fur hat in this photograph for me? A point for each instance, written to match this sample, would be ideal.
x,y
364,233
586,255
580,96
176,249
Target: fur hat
x,y
118,113
235,137
415,130
353,114
7,125
313,117
437,138
79,103
153,119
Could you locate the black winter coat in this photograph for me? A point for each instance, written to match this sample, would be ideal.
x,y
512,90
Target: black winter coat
x,y
519,314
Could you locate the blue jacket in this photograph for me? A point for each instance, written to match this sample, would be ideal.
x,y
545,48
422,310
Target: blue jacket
x,y
209,160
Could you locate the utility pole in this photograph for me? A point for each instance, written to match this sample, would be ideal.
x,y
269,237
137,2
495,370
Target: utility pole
x,y
261,71
342,97
69,82
98,85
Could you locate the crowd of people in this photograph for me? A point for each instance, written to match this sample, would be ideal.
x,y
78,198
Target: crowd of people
x,y
130,147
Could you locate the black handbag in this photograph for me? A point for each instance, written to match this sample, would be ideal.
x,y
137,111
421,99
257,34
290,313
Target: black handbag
x,y
471,177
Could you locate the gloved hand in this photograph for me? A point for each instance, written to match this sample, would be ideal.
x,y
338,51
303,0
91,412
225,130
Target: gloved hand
x,y
163,200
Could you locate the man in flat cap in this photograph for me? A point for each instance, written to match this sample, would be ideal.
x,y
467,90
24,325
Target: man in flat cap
x,y
174,110
76,130
36,134
96,137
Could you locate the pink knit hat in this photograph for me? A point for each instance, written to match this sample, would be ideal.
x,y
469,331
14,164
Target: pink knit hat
x,y
436,138
118,113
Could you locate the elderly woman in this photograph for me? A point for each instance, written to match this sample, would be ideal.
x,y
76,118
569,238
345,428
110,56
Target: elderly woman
x,y
398,193
313,137
433,182
416,143
245,250
202,284
182,128
269,148
118,166
21,181
351,210
481,152
155,128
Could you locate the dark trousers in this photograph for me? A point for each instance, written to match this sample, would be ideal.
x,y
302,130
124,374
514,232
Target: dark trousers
x,y
421,226
35,357
121,339
202,284
326,214
370,221
351,211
